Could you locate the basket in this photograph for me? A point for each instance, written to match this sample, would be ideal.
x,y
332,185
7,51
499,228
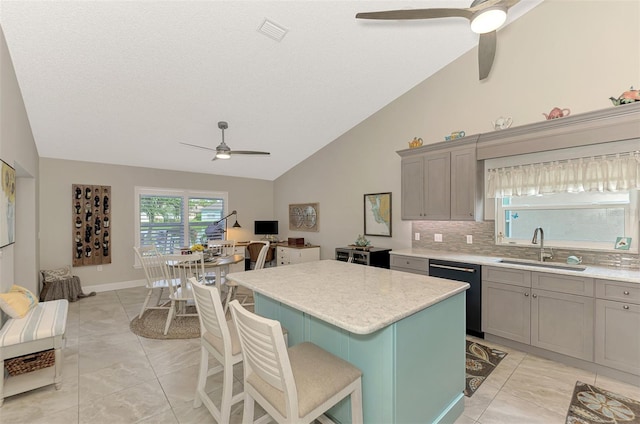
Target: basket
x,y
30,362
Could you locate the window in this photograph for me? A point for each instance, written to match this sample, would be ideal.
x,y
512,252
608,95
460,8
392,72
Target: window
x,y
569,220
170,219
583,198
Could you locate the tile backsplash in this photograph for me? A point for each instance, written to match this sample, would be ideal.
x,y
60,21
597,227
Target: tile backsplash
x,y
454,239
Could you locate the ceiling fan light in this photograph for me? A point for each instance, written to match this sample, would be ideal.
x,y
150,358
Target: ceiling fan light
x,y
488,20
223,155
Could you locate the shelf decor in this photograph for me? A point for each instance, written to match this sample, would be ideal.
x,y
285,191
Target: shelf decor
x,y
623,243
377,214
8,206
91,224
304,216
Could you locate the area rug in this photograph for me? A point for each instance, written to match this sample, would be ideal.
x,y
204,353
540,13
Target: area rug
x,y
481,361
593,405
152,323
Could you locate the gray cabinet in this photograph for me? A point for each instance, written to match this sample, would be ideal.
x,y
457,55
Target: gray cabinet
x,y
506,311
550,311
617,329
562,323
409,264
441,182
426,187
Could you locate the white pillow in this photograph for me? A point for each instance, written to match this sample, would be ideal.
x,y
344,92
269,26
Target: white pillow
x,y
57,274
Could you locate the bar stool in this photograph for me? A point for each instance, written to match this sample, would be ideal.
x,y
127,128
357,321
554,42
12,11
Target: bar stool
x,y
295,385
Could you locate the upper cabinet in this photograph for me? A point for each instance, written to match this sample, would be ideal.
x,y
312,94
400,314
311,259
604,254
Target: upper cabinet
x,y
444,181
439,182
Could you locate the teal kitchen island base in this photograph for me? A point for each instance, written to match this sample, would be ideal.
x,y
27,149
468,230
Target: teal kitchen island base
x,y
413,369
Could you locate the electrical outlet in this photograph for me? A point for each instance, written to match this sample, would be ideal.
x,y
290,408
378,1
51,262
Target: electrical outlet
x,y
99,267
469,239
437,237
416,236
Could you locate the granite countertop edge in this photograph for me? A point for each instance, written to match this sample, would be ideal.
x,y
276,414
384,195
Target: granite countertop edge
x,y
356,329
600,272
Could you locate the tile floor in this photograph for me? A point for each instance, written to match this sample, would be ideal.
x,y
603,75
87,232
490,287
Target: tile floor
x,y
112,376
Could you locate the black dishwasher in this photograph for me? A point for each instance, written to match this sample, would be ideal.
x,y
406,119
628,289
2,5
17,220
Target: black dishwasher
x,y
467,273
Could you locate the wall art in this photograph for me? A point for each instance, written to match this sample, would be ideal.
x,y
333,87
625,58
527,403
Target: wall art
x,y
8,206
304,216
91,224
377,214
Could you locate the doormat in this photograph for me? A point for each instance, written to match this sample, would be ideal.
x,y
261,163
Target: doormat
x,y
481,361
593,405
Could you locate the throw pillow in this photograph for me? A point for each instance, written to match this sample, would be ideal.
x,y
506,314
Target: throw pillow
x,y
17,302
57,274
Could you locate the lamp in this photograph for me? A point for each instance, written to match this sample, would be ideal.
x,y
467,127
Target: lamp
x,y
488,19
224,218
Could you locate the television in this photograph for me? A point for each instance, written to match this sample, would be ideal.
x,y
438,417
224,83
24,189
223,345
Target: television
x,y
265,227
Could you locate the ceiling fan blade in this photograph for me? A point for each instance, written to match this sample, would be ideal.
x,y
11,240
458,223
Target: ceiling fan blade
x,y
416,14
198,147
510,3
247,152
486,53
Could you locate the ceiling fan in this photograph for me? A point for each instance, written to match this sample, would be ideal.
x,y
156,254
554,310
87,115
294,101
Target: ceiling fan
x,y
223,151
486,17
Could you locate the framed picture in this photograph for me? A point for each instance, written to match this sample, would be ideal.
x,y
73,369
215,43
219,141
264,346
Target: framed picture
x,y
623,243
377,214
8,206
304,216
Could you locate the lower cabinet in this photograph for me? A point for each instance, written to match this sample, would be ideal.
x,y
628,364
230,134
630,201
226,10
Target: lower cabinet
x,y
506,311
411,264
562,323
617,329
555,319
296,255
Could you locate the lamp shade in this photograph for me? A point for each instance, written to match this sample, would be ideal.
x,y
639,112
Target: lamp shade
x,y
236,225
488,19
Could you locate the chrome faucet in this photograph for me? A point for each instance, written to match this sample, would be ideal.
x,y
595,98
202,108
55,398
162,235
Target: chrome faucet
x,y
543,255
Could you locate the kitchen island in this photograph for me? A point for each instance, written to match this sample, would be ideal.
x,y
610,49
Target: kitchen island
x,y
406,332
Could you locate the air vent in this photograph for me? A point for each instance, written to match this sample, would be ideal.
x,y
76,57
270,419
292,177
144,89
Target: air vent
x,y
272,30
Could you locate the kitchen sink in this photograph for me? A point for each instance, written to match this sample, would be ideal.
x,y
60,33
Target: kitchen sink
x,y
550,265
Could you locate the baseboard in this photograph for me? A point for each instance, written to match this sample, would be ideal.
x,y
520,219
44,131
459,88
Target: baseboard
x,y
113,286
567,360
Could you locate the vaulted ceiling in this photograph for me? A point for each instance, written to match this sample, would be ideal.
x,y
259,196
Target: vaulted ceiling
x,y
123,82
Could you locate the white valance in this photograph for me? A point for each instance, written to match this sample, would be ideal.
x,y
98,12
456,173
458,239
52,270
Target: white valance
x,y
619,172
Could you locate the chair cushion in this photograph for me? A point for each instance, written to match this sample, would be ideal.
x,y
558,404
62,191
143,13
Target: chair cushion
x,y
318,375
46,319
217,342
17,302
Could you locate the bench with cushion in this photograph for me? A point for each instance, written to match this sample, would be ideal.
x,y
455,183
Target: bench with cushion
x,y
42,328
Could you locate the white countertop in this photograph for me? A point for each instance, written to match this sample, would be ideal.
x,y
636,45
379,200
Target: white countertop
x,y
632,276
359,299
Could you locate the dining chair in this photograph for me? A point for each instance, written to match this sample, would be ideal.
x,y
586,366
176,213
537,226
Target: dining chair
x,y
153,265
255,250
232,286
181,268
220,248
219,338
294,385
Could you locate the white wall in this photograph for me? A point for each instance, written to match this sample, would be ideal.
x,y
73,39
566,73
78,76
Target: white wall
x,y
571,54
253,199
18,262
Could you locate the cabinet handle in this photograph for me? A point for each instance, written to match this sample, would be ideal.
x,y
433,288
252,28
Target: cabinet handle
x,y
535,296
625,307
626,293
526,294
